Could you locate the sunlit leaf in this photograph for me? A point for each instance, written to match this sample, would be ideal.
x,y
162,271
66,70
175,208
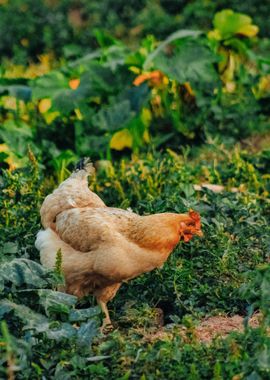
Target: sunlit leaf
x,y
228,23
44,105
51,116
248,30
121,139
146,116
146,136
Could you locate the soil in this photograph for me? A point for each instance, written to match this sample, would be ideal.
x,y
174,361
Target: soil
x,y
208,329
222,326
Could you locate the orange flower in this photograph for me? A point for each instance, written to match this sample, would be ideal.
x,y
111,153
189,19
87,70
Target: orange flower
x,y
74,83
141,78
155,77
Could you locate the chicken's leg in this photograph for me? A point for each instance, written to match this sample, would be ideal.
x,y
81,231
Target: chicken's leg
x,y
107,320
103,296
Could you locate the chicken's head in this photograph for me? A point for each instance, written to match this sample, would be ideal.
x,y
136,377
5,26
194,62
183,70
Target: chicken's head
x,y
191,227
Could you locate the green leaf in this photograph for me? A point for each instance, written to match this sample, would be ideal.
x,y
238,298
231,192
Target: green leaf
x,y
49,85
98,79
104,39
86,59
189,62
21,92
86,333
17,135
9,247
55,86
38,323
67,100
56,331
229,23
119,114
254,376
61,163
97,358
178,35
137,96
56,302
22,272
83,314
264,359
24,313
113,117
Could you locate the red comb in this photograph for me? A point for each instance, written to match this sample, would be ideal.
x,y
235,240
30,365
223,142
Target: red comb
x,y
196,217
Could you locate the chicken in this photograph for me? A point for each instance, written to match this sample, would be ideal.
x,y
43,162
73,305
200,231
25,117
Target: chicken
x,y
104,246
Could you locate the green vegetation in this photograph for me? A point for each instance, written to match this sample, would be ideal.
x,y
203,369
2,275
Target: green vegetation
x,y
160,110
180,91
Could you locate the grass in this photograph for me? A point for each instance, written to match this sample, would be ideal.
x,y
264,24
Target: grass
x,y
208,276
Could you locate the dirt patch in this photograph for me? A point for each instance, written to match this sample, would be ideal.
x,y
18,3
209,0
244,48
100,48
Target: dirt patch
x,y
222,326
208,329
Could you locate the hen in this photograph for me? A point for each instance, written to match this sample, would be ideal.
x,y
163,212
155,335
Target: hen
x,y
103,246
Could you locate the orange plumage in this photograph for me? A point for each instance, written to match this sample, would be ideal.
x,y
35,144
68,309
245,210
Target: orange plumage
x,y
104,246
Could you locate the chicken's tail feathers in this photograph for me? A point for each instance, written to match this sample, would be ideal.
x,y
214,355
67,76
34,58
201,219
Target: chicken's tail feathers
x,y
48,243
83,168
83,164
72,193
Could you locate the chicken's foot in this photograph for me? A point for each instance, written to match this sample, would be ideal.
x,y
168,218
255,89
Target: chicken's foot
x,y
103,296
107,323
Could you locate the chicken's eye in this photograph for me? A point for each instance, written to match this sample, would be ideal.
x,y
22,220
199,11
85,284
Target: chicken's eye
x,y
192,223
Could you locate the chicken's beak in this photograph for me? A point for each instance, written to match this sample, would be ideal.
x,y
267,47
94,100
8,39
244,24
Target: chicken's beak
x,y
188,231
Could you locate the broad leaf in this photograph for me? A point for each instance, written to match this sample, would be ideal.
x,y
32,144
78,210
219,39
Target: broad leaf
x,y
49,85
189,62
137,96
83,314
178,35
21,92
86,333
56,331
22,272
56,302
30,318
113,117
9,247
121,139
17,135
229,23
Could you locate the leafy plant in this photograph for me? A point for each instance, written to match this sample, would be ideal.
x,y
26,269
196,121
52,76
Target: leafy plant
x,y
163,116
172,92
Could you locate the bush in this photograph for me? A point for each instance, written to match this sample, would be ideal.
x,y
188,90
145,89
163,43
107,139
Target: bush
x,y
164,94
